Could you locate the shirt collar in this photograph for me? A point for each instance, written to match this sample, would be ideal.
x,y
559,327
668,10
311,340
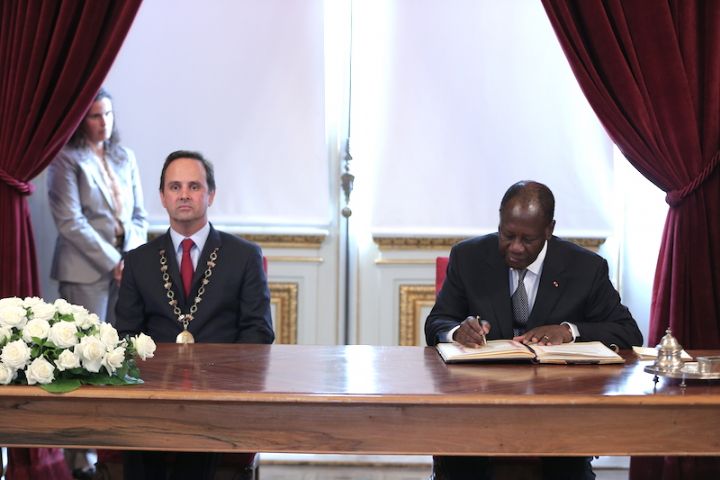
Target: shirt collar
x,y
199,237
537,265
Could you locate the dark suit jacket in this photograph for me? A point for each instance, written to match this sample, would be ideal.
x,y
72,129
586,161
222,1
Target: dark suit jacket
x,y
234,309
574,287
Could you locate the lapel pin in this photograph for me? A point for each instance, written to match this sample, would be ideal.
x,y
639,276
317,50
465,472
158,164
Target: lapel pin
x,y
555,284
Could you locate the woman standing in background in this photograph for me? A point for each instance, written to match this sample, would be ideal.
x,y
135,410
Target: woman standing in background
x,y
97,203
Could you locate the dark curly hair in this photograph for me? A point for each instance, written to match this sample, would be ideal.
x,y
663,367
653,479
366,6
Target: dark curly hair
x,y
112,145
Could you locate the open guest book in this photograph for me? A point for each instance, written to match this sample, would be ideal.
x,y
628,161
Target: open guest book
x,y
495,350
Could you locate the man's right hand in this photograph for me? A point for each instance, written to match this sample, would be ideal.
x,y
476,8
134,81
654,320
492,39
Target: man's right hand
x,y
472,332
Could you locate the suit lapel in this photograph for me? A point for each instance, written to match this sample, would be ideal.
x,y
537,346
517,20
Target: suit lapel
x,y
91,165
498,285
212,242
552,284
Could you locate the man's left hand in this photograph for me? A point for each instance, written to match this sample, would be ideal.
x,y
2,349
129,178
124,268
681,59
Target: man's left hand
x,y
546,335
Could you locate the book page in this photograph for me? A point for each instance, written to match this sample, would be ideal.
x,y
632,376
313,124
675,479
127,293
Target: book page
x,y
581,351
494,350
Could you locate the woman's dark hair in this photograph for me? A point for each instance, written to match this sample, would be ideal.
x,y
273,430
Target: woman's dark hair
x,y
112,144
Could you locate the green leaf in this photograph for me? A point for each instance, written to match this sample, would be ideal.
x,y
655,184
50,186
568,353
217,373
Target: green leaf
x,y
62,385
98,379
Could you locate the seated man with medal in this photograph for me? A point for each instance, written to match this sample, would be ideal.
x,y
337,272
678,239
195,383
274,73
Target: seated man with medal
x,y
191,284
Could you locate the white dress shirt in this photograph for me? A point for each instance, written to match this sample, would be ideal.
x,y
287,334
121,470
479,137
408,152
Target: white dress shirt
x,y
199,238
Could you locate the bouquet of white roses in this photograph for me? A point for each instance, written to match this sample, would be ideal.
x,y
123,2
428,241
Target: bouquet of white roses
x,y
60,346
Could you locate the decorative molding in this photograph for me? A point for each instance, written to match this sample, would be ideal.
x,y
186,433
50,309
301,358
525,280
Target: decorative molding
x,y
416,243
412,299
589,243
405,261
446,243
291,259
285,241
270,240
284,296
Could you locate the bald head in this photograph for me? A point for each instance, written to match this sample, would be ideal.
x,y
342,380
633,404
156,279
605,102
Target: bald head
x,y
526,222
530,194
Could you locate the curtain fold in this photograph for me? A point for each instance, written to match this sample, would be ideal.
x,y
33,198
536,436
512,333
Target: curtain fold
x,y
651,72
54,56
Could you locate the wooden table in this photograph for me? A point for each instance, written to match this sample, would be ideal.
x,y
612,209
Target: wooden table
x,y
370,400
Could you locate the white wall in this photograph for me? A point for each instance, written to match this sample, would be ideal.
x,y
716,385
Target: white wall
x,y
242,82
455,101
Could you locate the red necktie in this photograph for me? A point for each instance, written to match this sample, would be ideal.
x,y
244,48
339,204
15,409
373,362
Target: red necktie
x,y
186,266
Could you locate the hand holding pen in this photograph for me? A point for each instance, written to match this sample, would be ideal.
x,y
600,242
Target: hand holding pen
x,y
472,332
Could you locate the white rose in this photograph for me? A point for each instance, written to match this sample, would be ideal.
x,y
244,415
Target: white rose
x,y
63,306
7,374
114,359
13,316
11,302
30,302
67,360
40,371
35,328
63,334
15,354
5,333
144,346
43,311
78,310
91,351
109,336
88,321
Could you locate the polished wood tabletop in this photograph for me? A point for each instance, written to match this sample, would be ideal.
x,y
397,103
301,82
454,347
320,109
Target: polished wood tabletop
x,y
370,400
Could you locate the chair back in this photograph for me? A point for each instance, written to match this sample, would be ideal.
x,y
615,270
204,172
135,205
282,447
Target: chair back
x,y
441,264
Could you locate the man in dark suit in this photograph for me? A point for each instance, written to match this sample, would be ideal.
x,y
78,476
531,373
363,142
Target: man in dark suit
x,y
191,284
524,283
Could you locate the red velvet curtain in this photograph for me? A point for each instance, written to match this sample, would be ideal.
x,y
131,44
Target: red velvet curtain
x,y
651,72
54,56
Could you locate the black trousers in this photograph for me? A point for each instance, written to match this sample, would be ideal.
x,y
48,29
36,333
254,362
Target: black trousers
x,y
145,465
493,468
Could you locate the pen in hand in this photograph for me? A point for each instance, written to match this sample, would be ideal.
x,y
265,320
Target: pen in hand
x,y
483,342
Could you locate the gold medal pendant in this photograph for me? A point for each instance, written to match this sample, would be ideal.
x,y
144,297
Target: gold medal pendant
x,y
185,337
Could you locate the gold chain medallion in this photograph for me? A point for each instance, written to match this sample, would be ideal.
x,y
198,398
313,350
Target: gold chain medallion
x,y
185,318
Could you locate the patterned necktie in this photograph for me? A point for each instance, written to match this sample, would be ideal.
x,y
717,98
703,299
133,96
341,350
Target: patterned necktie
x,y
186,265
521,310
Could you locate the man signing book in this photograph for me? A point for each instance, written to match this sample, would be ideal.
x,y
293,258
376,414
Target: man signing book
x,y
526,284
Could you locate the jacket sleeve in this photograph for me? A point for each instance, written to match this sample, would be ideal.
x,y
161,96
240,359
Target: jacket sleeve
x,y
136,225
254,320
605,318
67,210
130,309
451,305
